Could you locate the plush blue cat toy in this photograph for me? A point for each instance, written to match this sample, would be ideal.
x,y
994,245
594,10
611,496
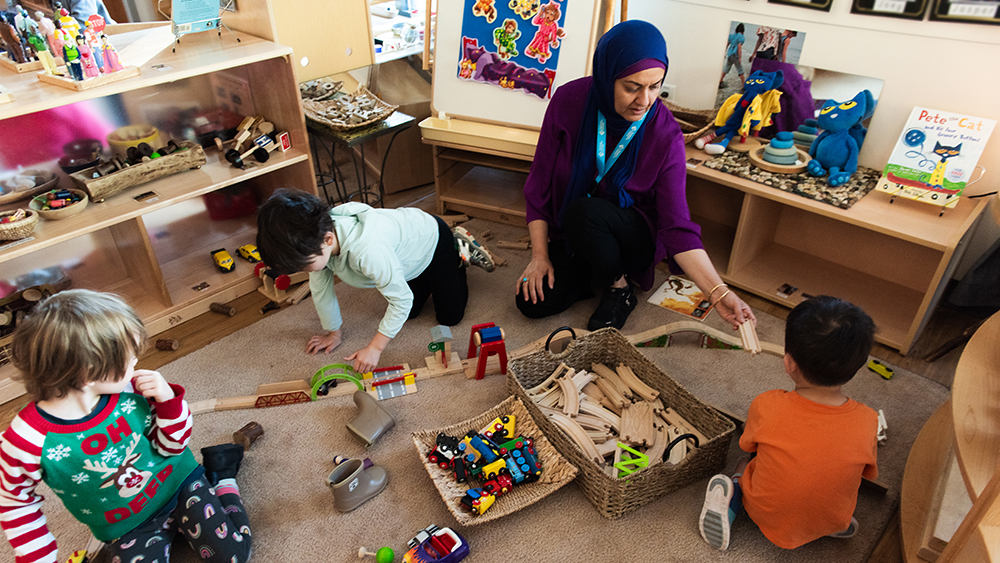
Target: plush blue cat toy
x,y
836,149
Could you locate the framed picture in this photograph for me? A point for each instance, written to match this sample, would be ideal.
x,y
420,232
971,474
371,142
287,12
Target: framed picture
x,y
970,11
814,4
910,9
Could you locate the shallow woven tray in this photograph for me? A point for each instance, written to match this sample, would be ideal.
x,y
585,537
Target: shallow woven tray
x,y
615,497
314,111
556,471
702,117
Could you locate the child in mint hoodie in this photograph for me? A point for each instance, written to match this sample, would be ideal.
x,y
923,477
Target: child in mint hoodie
x,y
405,253
111,442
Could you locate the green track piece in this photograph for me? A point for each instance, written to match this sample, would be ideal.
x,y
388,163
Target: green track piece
x,y
628,466
321,377
658,342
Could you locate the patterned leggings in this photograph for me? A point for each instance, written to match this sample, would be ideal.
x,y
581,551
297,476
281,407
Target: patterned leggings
x,y
216,527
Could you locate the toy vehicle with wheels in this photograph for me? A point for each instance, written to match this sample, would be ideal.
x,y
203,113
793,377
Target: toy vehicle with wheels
x,y
880,368
223,260
436,545
249,253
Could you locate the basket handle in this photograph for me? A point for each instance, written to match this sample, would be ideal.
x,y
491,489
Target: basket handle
x,y
678,440
557,331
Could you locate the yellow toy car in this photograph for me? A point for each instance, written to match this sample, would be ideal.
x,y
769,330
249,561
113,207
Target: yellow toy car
x,y
223,260
249,253
880,368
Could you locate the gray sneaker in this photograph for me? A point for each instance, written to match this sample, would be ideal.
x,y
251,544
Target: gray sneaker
x,y
714,520
852,529
471,251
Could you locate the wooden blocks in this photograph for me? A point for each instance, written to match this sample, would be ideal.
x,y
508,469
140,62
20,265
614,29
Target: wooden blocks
x,y
247,435
749,336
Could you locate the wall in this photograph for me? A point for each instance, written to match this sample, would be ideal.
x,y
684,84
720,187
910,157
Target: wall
x,y
939,65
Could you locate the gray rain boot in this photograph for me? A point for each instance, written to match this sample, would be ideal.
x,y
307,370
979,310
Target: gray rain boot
x,y
352,484
372,420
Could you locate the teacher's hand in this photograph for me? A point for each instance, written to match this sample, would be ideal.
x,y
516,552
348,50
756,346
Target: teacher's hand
x,y
532,281
735,310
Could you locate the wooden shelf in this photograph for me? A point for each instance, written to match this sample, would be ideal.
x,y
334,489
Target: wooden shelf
x,y
488,160
490,193
170,190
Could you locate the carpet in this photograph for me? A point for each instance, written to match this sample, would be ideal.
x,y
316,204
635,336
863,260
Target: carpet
x,y
283,475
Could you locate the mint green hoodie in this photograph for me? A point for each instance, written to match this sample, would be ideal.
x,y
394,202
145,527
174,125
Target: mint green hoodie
x,y
380,248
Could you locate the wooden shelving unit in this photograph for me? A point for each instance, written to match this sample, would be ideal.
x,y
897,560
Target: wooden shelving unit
x,y
155,252
892,259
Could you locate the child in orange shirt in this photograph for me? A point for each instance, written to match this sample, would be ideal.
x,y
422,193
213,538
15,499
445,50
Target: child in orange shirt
x,y
809,447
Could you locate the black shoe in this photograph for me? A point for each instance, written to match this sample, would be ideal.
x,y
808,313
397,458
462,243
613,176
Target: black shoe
x,y
221,462
614,308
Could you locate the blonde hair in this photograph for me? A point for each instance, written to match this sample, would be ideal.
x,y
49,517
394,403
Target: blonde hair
x,y
73,338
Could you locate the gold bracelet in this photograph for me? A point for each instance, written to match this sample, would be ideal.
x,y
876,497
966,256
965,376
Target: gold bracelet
x,y
723,296
714,288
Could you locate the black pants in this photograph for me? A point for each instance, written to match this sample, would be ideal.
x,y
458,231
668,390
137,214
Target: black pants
x,y
444,278
603,242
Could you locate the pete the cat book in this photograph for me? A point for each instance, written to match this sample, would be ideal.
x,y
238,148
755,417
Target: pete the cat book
x,y
935,156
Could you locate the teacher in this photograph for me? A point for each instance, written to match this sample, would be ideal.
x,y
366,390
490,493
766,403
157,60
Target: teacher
x,y
606,192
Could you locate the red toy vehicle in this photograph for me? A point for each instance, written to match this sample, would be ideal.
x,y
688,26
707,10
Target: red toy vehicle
x,y
436,545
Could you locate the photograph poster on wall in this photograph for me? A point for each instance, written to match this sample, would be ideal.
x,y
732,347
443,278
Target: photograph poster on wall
x,y
969,11
812,4
910,9
749,42
512,45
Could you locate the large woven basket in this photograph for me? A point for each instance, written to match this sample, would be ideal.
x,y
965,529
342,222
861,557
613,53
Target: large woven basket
x,y
19,229
615,497
556,471
700,120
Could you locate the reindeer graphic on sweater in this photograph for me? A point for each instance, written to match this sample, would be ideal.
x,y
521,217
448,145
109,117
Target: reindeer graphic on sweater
x,y
126,477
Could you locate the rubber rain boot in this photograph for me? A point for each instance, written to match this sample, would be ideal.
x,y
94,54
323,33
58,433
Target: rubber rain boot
x,y
372,420
352,484
221,462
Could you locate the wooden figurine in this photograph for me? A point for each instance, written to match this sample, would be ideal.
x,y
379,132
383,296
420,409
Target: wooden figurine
x,y
90,69
110,55
12,42
40,46
74,64
47,29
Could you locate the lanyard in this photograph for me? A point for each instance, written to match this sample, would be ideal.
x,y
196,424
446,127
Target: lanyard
x,y
602,138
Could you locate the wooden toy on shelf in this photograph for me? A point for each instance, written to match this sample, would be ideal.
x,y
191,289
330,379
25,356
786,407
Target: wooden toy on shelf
x,y
276,287
487,339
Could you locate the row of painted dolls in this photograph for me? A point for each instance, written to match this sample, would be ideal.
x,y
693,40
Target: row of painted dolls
x,y
86,54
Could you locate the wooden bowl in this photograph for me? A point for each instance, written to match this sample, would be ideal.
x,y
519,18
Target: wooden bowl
x,y
757,158
70,210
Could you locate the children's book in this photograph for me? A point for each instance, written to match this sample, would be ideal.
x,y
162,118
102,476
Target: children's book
x,y
682,296
935,156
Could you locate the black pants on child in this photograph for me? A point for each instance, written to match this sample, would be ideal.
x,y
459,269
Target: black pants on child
x,y
444,278
603,241
216,527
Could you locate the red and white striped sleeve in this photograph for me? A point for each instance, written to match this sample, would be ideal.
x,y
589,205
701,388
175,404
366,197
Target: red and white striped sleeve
x,y
173,422
20,506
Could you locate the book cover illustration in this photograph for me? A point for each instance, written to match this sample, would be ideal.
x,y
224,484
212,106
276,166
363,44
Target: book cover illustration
x,y
682,296
935,156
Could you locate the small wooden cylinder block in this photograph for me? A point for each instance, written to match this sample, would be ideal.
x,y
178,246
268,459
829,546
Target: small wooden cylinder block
x,y
223,309
167,344
248,434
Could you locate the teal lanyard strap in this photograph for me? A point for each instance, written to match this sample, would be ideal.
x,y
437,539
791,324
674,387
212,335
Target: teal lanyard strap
x,y
602,139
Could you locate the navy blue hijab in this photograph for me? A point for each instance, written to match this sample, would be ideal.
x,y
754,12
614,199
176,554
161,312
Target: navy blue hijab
x,y
621,47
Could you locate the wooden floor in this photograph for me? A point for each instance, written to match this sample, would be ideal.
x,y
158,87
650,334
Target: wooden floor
x,y
201,331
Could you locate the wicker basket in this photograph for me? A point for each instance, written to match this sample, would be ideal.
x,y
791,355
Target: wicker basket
x,y
556,471
701,119
316,111
616,497
18,229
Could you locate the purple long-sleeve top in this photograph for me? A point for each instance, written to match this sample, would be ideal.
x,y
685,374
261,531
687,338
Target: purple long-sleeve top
x,y
657,185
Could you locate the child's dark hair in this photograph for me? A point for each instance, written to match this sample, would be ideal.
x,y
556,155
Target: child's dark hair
x,y
291,226
73,338
740,28
829,339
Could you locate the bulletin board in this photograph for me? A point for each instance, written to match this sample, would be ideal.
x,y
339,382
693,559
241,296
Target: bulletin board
x,y
482,101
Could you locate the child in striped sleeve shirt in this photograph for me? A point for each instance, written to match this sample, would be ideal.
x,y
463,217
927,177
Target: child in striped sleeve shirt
x,y
111,442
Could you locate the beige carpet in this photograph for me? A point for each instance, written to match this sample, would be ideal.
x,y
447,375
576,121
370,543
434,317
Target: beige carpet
x,y
283,476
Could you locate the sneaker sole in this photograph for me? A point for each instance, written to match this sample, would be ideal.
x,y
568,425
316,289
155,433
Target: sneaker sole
x,y
714,520
489,263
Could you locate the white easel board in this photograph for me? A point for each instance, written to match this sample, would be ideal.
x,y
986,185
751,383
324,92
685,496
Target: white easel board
x,y
479,101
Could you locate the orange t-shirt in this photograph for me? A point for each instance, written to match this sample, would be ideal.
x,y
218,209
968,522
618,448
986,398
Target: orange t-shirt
x,y
803,483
